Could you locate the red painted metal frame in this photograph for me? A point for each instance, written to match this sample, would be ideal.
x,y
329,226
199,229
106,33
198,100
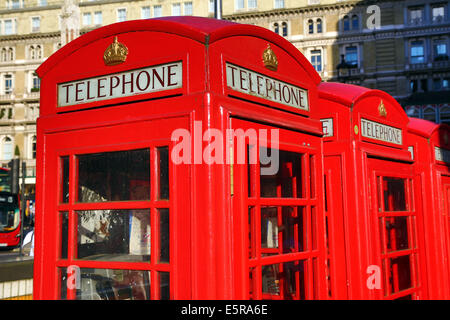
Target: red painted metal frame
x,y
208,249
351,153
423,137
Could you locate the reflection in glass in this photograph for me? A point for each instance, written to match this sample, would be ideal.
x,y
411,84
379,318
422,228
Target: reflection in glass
x,y
397,233
107,284
114,176
65,180
400,274
164,285
394,194
64,229
163,156
286,279
114,235
287,182
164,235
269,227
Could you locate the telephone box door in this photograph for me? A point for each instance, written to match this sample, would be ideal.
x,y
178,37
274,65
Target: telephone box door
x,y
115,215
276,182
397,233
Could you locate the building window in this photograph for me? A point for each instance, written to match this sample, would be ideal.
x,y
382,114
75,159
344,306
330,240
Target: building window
x,y
188,9
42,3
346,23
8,82
415,15
316,60
444,115
7,148
355,22
413,86
7,54
438,13
276,28
157,11
440,49
284,27
417,52
98,18
33,147
310,26
87,20
35,82
121,15
211,6
240,4
145,12
351,55
252,4
429,113
8,27
319,25
35,52
176,9
279,4
35,24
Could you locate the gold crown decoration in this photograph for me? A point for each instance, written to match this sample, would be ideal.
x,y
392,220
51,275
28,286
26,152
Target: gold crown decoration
x,y
270,59
116,53
382,109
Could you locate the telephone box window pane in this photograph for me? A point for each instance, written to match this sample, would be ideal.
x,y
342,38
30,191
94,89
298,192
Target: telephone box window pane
x,y
114,176
394,194
293,229
64,227
251,232
163,155
164,235
399,274
269,227
108,284
114,235
280,175
397,233
63,283
65,179
164,285
286,280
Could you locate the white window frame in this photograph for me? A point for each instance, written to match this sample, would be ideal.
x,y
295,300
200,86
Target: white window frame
x,y
11,143
173,8
118,11
96,15
86,19
144,11
157,11
33,28
185,6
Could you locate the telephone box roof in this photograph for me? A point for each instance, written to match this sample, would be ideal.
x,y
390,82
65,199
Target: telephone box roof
x,y
203,30
425,128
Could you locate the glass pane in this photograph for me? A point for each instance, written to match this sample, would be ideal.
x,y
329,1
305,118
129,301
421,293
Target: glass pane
x,y
164,235
114,235
63,283
64,180
107,284
397,233
400,274
114,176
287,181
294,229
394,194
251,232
64,227
163,156
164,285
286,279
269,227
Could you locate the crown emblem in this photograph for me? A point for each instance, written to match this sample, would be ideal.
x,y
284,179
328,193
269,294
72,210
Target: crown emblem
x,y
116,53
270,59
382,109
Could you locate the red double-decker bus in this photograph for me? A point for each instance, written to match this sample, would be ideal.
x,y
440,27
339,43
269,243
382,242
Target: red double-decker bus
x,y
9,213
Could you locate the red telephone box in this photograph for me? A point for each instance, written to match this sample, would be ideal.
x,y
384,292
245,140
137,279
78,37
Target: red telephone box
x,y
429,144
170,156
373,220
